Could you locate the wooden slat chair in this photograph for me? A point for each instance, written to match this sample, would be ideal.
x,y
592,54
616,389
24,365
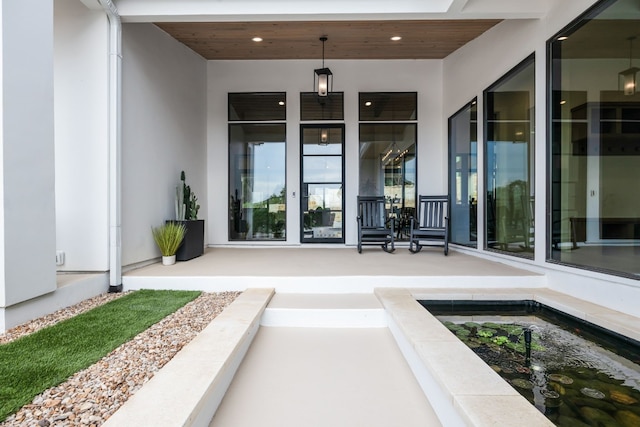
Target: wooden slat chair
x,y
431,227
372,223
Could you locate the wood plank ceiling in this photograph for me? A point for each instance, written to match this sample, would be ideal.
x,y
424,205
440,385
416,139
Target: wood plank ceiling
x,y
421,39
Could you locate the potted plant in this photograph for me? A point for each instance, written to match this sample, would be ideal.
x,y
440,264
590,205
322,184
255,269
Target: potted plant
x,y
187,207
169,237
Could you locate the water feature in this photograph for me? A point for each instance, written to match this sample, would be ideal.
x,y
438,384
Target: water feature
x,y
574,372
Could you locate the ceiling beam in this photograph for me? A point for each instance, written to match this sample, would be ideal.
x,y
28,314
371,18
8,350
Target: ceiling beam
x,y
329,10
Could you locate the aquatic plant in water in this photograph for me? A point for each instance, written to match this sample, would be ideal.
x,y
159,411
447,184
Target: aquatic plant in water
x,y
508,335
568,390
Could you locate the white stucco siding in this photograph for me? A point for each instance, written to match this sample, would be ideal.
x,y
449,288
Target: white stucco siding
x,y
163,132
26,142
350,77
81,135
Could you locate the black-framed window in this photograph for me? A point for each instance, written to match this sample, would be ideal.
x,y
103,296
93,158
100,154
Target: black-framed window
x,y
387,106
388,134
509,118
313,107
257,166
594,141
463,175
257,106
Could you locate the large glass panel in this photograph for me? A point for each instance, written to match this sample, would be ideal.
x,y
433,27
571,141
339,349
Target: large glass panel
x,y
257,202
509,154
463,180
322,183
331,107
257,106
388,106
388,168
595,140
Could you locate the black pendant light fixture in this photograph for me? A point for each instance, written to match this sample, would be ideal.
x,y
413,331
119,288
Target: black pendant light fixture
x,y
628,78
323,77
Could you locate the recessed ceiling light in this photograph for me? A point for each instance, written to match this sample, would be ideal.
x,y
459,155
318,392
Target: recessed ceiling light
x,y
563,102
396,38
257,39
562,38
281,103
367,104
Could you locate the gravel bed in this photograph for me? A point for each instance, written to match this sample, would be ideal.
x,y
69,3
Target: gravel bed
x,y
91,396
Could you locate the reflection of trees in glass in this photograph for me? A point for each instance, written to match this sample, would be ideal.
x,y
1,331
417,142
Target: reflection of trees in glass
x,y
257,195
512,214
269,216
509,160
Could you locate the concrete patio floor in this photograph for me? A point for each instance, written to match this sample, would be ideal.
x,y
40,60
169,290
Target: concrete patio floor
x,y
329,270
320,377
326,336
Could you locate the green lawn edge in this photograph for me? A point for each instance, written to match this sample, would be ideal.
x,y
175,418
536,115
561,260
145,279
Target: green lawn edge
x,y
48,357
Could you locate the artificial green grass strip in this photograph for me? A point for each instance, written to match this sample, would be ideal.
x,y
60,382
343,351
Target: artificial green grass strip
x,y
44,359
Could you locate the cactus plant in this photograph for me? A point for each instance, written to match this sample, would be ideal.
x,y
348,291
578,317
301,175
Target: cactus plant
x,y
186,201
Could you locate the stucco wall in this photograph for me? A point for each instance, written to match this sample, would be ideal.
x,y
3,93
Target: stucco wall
x,y
27,220
163,132
81,144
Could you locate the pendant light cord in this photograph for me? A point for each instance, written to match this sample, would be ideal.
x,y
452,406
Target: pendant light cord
x,y
323,39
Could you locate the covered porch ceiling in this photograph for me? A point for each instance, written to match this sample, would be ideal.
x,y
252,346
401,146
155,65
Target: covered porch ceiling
x,y
360,29
356,29
430,39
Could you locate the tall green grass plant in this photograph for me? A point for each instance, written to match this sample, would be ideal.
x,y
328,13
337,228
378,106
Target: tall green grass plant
x,y
168,237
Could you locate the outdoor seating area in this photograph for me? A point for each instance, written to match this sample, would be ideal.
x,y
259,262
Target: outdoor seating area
x,y
374,226
378,225
431,227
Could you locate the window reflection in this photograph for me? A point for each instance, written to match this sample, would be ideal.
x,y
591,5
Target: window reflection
x,y
322,182
509,174
463,164
331,108
257,106
388,168
257,182
595,142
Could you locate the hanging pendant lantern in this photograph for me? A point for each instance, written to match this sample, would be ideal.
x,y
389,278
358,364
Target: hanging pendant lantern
x,y
628,78
323,77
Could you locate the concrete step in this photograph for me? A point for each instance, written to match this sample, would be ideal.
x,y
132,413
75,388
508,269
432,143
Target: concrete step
x,y
324,311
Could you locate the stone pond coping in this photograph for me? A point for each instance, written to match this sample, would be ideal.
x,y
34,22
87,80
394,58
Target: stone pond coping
x,y
462,388
621,323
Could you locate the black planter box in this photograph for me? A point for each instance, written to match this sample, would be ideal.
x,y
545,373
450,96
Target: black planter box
x,y
193,244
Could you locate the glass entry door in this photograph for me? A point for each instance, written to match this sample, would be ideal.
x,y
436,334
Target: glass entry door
x,y
322,172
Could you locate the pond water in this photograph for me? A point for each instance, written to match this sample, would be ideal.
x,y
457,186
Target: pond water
x,y
573,380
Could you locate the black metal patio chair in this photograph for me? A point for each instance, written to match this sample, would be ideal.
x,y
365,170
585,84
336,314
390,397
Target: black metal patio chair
x,y
431,227
374,227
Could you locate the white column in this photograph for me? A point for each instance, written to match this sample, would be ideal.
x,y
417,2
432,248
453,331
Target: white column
x,y
27,217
